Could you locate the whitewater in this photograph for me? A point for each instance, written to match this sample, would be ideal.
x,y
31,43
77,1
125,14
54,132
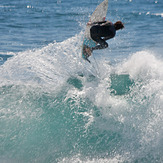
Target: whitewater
x,y
55,108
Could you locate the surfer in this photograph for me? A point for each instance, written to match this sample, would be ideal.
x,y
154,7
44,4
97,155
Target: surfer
x,y
102,31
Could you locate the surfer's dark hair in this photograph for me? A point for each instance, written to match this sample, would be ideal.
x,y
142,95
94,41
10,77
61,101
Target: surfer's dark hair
x,y
118,25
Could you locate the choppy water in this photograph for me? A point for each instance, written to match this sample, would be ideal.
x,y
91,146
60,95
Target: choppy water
x,y
54,107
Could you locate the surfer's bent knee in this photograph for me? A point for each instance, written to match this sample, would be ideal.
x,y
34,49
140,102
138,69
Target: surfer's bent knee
x,y
104,44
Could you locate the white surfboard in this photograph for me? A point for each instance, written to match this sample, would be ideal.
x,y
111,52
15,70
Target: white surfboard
x,y
98,15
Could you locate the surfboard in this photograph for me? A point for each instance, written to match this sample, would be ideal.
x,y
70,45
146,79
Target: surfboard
x,y
98,15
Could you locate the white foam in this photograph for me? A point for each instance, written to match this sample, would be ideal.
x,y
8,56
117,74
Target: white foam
x,y
78,159
158,14
142,64
49,65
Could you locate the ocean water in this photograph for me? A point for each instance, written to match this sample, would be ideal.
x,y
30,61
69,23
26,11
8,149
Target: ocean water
x,y
55,107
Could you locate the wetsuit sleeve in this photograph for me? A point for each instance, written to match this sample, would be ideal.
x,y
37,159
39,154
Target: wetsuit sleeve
x,y
98,23
106,23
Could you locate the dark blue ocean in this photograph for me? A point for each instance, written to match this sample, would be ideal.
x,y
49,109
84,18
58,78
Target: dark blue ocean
x,y
55,107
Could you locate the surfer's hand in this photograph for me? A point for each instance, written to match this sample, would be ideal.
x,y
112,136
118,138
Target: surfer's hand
x,y
89,23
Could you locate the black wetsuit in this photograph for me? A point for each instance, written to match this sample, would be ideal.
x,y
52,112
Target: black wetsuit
x,y
98,31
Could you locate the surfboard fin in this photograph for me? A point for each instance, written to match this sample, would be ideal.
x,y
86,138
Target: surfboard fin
x,y
87,60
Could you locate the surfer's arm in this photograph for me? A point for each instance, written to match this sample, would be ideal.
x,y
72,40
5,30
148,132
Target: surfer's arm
x,y
99,23
106,23
102,23
96,23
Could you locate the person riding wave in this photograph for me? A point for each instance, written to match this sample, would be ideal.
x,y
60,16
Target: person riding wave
x,y
102,31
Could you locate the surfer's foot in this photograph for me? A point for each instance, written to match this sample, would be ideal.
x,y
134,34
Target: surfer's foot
x,y
88,51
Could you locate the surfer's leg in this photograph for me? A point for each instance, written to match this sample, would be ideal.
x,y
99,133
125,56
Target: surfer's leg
x,y
103,44
95,35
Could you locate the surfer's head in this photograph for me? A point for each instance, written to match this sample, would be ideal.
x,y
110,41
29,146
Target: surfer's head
x,y
118,25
